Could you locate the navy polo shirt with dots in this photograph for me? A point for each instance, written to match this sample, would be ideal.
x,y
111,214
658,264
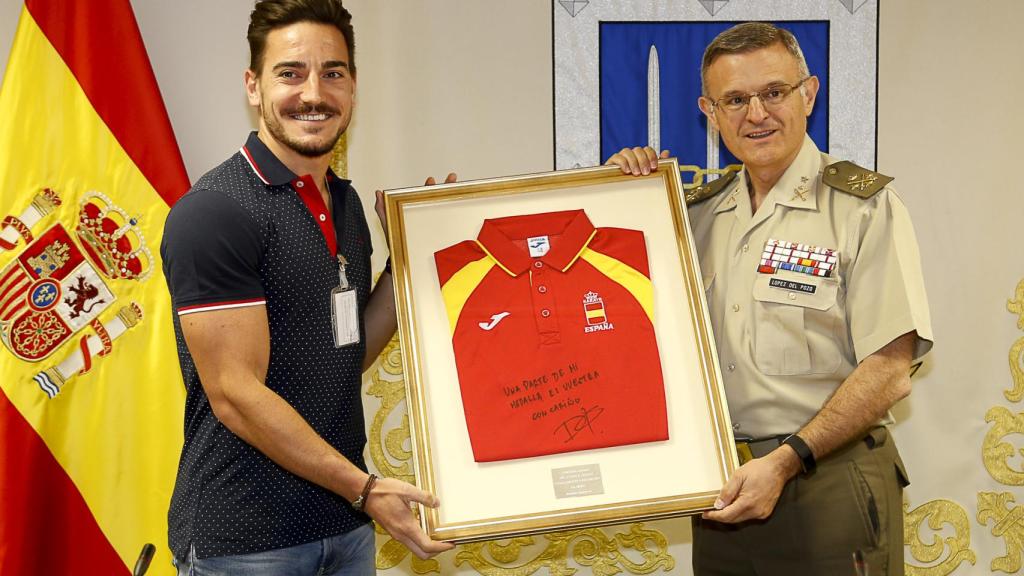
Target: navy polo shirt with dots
x,y
252,233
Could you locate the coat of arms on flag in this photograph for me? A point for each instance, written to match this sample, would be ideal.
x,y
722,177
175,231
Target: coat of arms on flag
x,y
52,294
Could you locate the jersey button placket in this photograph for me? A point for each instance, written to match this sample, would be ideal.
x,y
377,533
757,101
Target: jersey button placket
x,y
543,303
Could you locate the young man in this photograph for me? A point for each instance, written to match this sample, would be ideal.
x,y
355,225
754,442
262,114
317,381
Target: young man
x,y
267,259
813,280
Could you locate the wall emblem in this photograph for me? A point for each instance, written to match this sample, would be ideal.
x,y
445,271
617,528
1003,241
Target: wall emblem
x,y
54,293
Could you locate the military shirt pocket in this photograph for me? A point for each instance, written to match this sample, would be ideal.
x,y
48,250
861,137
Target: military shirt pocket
x,y
794,324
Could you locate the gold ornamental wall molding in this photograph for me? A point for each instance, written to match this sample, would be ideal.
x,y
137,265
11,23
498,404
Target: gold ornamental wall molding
x,y
996,454
1016,306
1001,510
592,549
935,516
1007,524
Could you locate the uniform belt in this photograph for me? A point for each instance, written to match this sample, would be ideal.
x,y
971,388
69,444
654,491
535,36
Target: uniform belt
x,y
750,448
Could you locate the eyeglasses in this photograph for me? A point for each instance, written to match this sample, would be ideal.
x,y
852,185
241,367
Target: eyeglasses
x,y
770,97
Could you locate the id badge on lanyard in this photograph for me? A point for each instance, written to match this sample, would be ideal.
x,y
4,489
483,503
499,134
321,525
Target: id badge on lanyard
x,y
344,309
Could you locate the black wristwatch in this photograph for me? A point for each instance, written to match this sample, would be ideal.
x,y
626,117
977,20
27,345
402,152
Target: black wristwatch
x,y
803,451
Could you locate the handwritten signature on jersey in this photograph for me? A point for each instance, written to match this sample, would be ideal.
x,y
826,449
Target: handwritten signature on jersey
x,y
573,426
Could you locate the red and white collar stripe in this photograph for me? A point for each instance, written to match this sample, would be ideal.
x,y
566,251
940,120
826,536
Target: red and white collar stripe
x,y
252,163
221,306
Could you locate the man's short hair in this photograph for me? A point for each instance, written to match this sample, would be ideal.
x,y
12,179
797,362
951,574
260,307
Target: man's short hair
x,y
748,37
269,15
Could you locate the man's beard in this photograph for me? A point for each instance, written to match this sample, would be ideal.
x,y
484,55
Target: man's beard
x,y
307,149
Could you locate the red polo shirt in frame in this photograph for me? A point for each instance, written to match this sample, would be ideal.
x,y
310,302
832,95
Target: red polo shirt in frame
x,y
552,328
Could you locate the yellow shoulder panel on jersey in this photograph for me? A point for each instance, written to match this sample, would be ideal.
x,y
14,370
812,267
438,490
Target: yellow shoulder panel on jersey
x,y
457,289
626,276
852,179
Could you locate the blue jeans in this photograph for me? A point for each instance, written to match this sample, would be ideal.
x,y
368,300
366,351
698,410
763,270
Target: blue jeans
x,y
348,554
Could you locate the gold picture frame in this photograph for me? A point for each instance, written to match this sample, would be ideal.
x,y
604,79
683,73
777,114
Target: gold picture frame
x,y
491,500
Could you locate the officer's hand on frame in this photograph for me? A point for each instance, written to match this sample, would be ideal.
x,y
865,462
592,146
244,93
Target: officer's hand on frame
x,y
378,205
752,491
637,161
388,504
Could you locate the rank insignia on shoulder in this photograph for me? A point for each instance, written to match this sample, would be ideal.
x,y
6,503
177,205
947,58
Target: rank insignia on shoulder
x,y
705,191
852,179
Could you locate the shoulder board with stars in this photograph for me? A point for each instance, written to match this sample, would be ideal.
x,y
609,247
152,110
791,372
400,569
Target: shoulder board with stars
x,y
701,193
852,179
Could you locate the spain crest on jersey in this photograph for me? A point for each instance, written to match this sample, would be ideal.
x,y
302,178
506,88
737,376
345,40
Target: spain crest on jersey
x,y
593,310
593,307
53,293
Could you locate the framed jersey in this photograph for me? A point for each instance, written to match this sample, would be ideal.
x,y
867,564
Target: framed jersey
x,y
560,368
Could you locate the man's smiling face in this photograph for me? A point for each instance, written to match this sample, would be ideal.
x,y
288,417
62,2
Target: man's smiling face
x,y
305,91
762,138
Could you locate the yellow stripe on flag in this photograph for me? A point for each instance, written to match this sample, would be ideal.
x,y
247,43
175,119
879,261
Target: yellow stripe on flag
x,y
116,430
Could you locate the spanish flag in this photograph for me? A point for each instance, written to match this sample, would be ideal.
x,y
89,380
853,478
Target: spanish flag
x,y
91,399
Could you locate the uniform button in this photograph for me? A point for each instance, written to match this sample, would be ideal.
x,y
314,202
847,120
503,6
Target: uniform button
x,y
323,217
545,312
299,184
746,247
538,264
542,289
735,307
732,367
792,295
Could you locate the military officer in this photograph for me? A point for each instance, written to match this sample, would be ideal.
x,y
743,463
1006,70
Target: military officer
x,y
817,302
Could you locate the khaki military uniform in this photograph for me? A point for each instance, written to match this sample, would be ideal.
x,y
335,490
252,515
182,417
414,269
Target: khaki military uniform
x,y
786,340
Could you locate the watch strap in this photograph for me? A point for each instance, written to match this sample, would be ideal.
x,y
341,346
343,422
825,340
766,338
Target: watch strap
x,y
803,451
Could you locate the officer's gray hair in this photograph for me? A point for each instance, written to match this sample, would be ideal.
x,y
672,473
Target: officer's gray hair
x,y
748,37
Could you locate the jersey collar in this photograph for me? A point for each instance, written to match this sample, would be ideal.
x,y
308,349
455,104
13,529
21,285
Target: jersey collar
x,y
272,171
504,239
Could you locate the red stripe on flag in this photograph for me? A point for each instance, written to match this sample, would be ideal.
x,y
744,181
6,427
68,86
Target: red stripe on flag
x,y
12,284
100,42
46,527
